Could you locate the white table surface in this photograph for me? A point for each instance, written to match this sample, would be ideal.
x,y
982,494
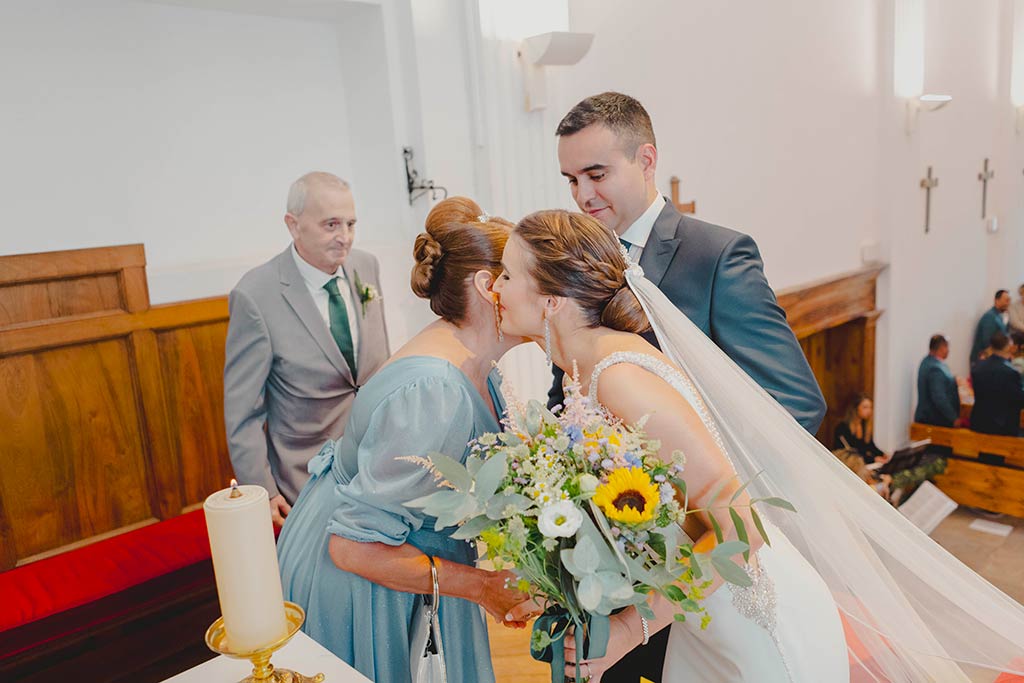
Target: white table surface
x,y
302,654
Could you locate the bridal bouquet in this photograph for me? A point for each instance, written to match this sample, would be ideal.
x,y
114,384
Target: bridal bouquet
x,y
584,511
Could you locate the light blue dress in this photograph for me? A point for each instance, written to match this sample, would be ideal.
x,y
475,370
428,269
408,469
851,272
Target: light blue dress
x,y
358,490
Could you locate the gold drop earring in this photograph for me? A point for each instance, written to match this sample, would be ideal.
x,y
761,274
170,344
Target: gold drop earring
x,y
496,298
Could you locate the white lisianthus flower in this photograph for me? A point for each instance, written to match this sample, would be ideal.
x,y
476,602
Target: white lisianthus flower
x,y
561,519
589,483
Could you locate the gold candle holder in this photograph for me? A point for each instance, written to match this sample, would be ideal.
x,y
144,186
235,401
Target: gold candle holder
x,y
262,670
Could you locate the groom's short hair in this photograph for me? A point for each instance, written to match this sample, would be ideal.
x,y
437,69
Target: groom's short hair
x,y
624,115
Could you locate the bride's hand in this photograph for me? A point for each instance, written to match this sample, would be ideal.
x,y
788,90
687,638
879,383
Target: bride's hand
x,y
499,596
622,639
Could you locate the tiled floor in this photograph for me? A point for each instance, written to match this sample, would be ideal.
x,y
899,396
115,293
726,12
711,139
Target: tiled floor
x,y
998,559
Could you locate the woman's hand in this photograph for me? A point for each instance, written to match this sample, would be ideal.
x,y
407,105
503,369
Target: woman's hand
x,y
499,596
625,635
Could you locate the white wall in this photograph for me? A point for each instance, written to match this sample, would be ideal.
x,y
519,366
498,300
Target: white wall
x,y
179,128
766,111
181,123
943,281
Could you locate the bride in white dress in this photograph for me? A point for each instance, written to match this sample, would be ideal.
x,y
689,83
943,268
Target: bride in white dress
x,y
911,611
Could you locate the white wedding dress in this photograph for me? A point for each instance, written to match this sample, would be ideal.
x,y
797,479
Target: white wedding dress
x,y
911,612
785,628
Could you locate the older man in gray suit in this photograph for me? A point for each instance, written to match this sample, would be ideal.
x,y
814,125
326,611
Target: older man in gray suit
x,y
607,152
306,331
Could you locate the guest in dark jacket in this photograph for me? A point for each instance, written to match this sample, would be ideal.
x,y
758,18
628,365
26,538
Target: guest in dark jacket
x,y
938,401
856,431
998,393
994,320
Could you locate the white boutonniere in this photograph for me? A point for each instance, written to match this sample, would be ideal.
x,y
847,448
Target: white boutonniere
x,y
367,293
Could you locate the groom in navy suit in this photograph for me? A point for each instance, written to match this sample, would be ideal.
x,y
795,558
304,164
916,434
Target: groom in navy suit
x,y
607,152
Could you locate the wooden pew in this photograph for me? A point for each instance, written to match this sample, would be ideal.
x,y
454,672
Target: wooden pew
x,y
112,414
985,471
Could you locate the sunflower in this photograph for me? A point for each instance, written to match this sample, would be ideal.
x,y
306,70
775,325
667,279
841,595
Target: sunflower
x,y
629,496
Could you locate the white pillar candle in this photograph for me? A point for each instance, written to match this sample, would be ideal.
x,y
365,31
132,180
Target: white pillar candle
x,y
245,564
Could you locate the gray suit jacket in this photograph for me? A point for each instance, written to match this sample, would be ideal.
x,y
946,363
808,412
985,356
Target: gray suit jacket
x,y
715,276
287,387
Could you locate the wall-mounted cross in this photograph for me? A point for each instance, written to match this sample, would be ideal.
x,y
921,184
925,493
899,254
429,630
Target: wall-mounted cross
x,y
985,176
928,183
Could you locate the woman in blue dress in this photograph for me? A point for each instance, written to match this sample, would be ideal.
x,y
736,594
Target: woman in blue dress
x,y
352,554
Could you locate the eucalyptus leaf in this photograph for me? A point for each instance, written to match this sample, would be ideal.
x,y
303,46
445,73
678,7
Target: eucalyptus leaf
x,y
533,418
570,564
716,526
729,548
473,528
598,522
696,567
424,501
760,527
499,504
645,611
779,503
741,532
589,592
675,593
671,535
473,464
490,476
585,555
731,572
464,509
438,502
452,470
689,605
740,490
615,586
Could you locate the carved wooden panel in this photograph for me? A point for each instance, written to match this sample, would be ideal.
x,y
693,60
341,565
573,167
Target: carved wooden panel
x,y
192,359
830,302
72,445
984,486
969,444
112,411
834,320
36,287
30,301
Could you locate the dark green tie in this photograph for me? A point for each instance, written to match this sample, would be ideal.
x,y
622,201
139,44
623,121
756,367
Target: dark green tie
x,y
626,244
340,330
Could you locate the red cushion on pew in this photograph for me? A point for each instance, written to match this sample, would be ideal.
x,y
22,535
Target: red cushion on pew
x,y
94,571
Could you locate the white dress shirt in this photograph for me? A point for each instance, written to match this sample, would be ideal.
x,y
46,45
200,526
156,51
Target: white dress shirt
x,y
638,233
315,280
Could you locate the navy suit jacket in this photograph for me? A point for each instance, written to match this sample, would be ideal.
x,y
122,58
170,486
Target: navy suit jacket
x,y
998,397
990,323
715,276
938,400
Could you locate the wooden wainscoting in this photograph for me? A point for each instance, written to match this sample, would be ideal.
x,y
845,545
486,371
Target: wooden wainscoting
x,y
112,410
834,319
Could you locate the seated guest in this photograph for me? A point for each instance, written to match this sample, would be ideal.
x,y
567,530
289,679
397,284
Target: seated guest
x,y
938,400
1018,358
998,393
856,431
994,320
1016,312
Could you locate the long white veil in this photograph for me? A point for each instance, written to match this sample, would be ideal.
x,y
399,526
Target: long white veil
x,y
912,611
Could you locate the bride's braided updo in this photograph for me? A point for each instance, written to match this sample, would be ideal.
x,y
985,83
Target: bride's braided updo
x,y
575,256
